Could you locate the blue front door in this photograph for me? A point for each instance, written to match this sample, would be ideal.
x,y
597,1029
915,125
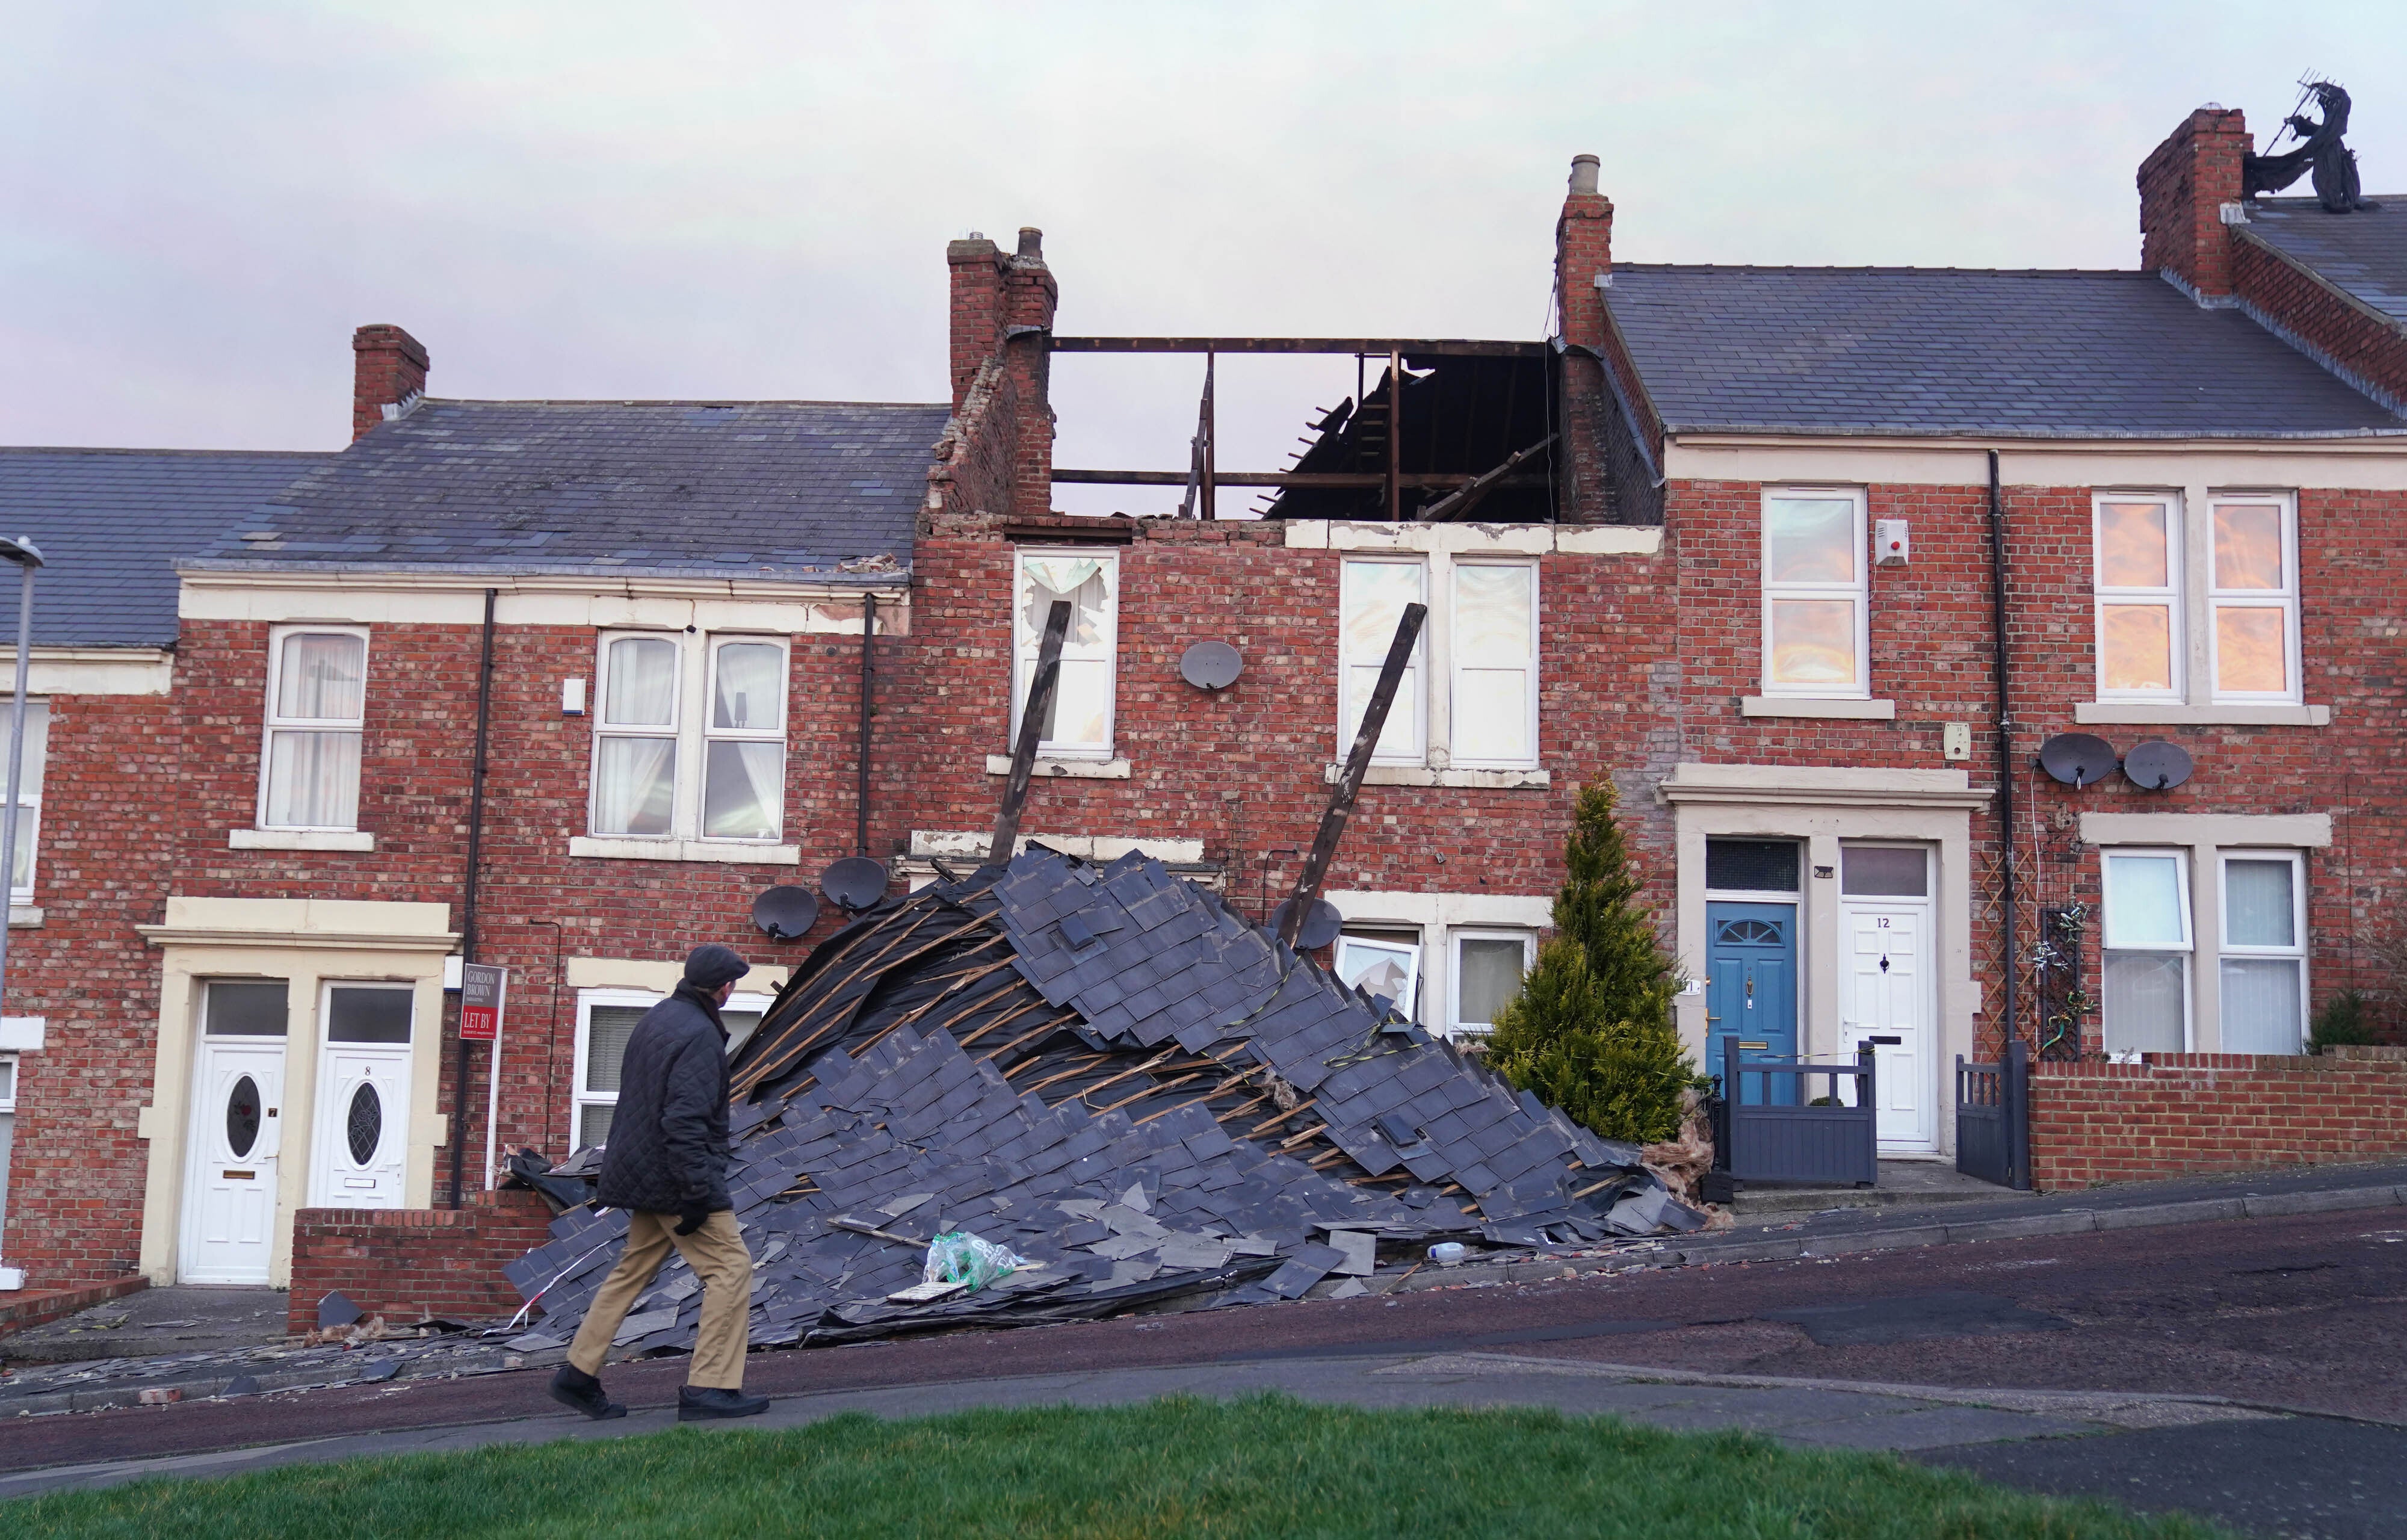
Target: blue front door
x,y
1751,990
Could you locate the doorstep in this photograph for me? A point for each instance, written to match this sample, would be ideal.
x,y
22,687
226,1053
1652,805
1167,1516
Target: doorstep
x,y
1906,1181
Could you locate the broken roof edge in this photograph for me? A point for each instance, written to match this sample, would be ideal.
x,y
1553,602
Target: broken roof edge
x,y
664,401
896,576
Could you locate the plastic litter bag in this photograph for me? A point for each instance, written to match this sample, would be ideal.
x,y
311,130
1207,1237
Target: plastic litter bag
x,y
959,1257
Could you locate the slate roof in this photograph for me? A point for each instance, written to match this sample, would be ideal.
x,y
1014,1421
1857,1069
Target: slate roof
x,y
111,524
2363,254
1927,351
753,489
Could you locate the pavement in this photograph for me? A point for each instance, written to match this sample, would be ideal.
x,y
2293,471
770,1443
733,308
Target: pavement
x,y
188,1319
2161,1348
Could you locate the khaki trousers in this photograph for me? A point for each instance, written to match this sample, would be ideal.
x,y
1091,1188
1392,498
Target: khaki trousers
x,y
716,1254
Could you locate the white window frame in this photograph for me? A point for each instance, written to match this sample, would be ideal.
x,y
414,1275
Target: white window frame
x,y
579,1097
1418,946
697,656
1858,592
1455,1024
2296,951
1028,641
2169,598
2285,599
2188,949
9,1067
1417,702
276,638
29,803
1454,669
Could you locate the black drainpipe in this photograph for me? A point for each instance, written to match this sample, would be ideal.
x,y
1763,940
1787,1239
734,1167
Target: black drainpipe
x,y
2005,749
868,683
468,899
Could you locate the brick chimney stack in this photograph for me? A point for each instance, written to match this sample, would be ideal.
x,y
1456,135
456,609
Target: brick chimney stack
x,y
1002,325
2185,184
387,368
1583,264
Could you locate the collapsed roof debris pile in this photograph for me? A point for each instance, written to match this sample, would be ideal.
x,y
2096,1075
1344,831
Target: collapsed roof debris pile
x,y
1109,1072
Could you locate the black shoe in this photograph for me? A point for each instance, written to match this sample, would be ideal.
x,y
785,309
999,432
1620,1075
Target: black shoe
x,y
695,1404
577,1391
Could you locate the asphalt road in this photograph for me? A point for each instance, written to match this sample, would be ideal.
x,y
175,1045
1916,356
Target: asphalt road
x,y
2303,1314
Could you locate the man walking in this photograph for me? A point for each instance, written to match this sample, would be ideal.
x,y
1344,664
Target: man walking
x,y
665,1164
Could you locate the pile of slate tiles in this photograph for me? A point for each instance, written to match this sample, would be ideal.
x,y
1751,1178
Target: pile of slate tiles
x,y
1129,1085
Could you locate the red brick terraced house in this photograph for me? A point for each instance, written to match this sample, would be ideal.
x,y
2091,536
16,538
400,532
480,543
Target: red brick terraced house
x,y
1752,542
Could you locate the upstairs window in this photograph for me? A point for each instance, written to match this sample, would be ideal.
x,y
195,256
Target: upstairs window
x,y
1078,726
29,795
1816,625
1493,635
317,694
1371,603
690,739
2253,593
2139,569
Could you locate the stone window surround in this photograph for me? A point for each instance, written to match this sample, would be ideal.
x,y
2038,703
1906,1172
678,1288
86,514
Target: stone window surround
x,y
308,942
1436,917
2207,837
1821,807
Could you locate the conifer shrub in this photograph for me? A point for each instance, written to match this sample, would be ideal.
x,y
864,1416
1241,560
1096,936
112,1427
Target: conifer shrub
x,y
1592,1030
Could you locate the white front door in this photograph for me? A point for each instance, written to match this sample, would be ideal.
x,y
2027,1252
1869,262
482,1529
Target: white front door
x,y
1887,1009
363,1098
230,1174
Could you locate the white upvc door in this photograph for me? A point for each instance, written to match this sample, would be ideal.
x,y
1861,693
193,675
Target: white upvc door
x,y
230,1184
1886,974
363,1118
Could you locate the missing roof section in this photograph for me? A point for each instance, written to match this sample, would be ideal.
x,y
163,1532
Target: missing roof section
x,y
1461,419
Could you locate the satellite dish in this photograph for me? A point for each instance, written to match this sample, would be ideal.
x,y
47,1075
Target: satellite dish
x,y
855,882
785,913
2157,764
1211,665
2077,759
1320,926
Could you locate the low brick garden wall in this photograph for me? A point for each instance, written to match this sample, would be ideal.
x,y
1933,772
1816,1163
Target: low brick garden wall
x,y
408,1263
2195,1114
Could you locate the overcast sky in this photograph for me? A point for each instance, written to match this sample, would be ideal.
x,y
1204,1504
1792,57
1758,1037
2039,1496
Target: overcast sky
x,y
200,202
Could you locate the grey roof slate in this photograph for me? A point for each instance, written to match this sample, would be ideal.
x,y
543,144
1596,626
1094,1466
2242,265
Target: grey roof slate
x,y
1944,351
111,524
2363,253
755,488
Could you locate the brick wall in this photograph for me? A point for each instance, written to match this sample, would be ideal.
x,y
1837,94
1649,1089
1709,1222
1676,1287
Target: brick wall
x,y
2193,1114
2184,184
408,1263
2368,345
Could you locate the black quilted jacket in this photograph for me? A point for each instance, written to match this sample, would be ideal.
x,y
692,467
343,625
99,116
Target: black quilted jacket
x,y
668,1138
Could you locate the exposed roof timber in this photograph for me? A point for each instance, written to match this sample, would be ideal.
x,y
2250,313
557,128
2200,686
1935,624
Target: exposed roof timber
x,y
1341,480
1441,346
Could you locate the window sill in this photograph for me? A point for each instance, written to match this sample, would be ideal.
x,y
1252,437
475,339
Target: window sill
x,y
23,917
1418,775
300,839
999,764
607,848
2174,714
1807,705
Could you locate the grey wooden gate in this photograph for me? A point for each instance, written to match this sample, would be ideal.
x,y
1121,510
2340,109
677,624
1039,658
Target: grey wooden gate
x,y
1993,1119
1806,1132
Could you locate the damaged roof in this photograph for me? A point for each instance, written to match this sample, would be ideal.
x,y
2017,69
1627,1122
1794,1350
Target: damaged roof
x,y
828,491
1931,351
2362,253
1110,1072
111,524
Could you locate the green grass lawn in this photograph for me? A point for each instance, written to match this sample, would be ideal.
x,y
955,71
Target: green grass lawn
x,y
1262,1466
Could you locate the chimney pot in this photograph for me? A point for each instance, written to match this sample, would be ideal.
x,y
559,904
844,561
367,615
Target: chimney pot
x,y
1584,169
1032,243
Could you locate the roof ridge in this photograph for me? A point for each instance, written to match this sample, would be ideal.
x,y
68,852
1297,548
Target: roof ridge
x,y
666,400
192,454
1884,270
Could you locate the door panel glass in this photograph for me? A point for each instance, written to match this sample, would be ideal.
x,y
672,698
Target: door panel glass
x,y
1875,873
367,1016
242,1117
247,1007
363,1126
